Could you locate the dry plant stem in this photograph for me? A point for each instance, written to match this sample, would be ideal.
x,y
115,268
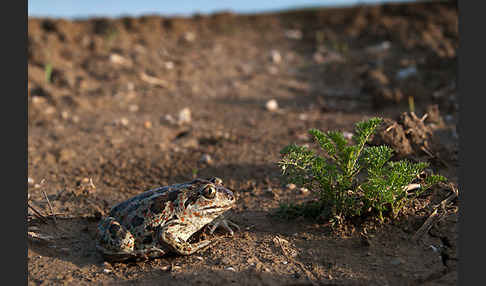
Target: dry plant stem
x,y
50,207
38,214
309,274
434,217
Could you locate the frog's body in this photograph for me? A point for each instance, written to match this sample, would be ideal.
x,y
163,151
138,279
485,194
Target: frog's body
x,y
162,220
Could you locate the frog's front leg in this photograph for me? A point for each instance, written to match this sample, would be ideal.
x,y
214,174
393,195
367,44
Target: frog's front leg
x,y
223,222
171,235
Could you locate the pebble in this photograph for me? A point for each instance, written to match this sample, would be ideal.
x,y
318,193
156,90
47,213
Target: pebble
x,y
119,60
395,261
276,57
303,116
271,105
206,158
66,155
130,86
30,181
65,114
189,36
406,72
124,121
184,116
169,65
133,108
230,268
304,190
379,48
107,270
38,100
49,110
347,135
294,34
291,186
168,118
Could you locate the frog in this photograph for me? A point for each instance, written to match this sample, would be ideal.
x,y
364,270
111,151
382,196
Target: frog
x,y
162,220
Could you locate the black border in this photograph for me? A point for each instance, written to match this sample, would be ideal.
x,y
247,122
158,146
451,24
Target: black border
x,y
471,87
14,119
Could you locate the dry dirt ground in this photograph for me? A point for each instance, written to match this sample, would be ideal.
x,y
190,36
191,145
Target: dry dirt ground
x,y
118,106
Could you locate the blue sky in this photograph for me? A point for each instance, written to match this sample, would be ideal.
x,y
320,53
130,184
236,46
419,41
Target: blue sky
x,y
115,8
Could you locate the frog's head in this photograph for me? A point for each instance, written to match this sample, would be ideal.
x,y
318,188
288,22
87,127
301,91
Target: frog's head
x,y
210,200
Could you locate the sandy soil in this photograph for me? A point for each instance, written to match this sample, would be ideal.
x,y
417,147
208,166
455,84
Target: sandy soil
x,y
105,123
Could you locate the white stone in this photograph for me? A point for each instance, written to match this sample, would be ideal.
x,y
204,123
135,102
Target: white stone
x,y
184,116
271,105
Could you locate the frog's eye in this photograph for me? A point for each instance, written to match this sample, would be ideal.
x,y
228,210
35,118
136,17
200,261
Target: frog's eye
x,y
209,191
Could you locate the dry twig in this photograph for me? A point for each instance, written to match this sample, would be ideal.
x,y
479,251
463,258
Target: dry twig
x,y
309,274
435,216
50,207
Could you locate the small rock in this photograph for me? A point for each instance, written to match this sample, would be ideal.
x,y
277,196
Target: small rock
x,y
65,114
184,116
49,110
38,100
303,117
107,271
395,261
303,190
189,37
230,268
291,186
379,48
347,135
124,121
168,118
206,158
275,56
130,86
133,108
169,65
406,72
294,34
271,105
66,155
119,60
30,181
285,262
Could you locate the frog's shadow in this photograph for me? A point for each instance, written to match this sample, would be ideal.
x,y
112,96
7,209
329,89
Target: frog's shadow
x,y
74,240
70,239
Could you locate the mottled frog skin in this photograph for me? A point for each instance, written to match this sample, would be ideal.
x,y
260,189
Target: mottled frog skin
x,y
162,220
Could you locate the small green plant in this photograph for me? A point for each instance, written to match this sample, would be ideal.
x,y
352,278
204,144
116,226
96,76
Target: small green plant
x,y
352,178
48,72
